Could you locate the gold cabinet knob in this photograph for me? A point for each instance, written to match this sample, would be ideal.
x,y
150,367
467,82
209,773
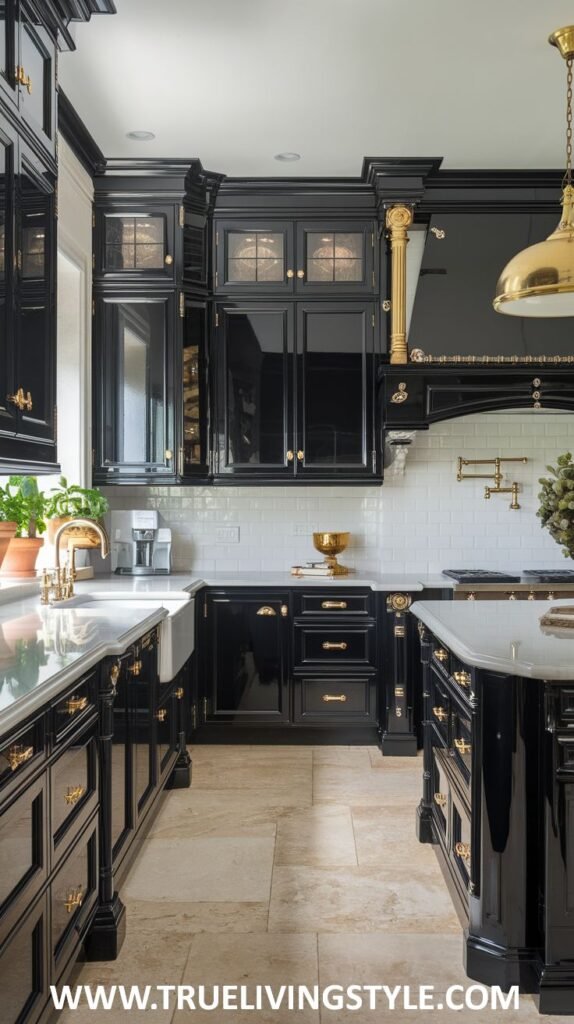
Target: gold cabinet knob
x,y
338,698
74,899
440,713
18,755
290,274
300,274
75,704
462,850
329,645
300,455
161,715
334,604
266,611
462,678
168,455
73,794
462,746
440,799
179,693
168,261
284,610
441,654
290,456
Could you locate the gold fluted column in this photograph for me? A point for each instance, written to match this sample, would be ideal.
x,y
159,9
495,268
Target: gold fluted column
x,y
399,219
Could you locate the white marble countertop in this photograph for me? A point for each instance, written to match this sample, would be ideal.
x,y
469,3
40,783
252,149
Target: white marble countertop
x,y
192,582
502,636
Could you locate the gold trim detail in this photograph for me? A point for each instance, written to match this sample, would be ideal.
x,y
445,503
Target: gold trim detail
x,y
398,220
418,356
399,602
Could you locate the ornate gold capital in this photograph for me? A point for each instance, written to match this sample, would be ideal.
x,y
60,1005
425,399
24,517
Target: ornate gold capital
x,y
398,220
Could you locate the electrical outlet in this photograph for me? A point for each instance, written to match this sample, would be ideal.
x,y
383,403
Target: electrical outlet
x,y
227,534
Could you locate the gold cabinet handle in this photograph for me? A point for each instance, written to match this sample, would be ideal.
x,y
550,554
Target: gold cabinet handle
x,y
73,794
135,668
330,698
531,596
440,799
18,754
440,713
23,79
284,610
462,746
161,715
471,596
75,704
329,645
462,850
512,596
21,401
168,455
441,654
334,604
462,678
179,693
74,899
300,274
266,611
290,274
168,261
290,456
300,455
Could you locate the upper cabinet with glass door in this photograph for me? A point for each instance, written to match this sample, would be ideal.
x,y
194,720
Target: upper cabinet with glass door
x,y
28,68
322,258
135,243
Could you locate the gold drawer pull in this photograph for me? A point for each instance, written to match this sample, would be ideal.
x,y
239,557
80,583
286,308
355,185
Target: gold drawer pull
x,y
73,794
441,654
18,754
75,704
179,693
266,610
440,799
440,713
339,698
462,850
135,668
462,678
340,645
74,899
334,604
161,715
462,746
21,401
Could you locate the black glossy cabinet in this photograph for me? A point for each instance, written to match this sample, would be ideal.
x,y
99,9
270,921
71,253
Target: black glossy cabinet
x,y
246,658
135,242
295,391
316,257
28,68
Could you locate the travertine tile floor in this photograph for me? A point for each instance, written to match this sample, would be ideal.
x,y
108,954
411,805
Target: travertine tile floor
x,y
290,865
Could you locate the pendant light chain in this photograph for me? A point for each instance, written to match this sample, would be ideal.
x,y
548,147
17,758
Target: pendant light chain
x,y
568,174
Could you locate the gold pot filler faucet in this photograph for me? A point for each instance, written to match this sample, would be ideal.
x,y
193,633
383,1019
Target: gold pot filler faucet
x,y
496,476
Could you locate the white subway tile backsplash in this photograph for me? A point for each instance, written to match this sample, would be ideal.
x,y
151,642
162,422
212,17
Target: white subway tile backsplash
x,y
420,522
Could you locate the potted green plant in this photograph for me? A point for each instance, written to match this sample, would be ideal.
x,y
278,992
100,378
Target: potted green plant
x,y
557,503
23,503
70,501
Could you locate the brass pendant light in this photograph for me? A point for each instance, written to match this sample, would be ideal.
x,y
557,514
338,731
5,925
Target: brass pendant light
x,y
539,281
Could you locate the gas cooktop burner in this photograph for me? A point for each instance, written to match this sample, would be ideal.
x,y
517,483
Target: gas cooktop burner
x,y
550,575
480,576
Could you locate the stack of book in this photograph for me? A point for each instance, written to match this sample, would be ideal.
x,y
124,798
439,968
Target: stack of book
x,y
312,569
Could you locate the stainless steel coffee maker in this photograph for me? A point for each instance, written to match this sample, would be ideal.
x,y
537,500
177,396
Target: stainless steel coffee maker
x,y
140,546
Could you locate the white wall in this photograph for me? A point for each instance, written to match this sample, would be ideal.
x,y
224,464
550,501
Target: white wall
x,y
422,521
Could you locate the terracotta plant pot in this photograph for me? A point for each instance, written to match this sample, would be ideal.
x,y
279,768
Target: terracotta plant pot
x,y
7,531
20,558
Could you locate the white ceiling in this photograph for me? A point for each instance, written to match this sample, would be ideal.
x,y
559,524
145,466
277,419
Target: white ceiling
x,y
235,81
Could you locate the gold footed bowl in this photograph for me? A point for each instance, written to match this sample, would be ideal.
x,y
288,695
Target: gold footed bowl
x,y
331,544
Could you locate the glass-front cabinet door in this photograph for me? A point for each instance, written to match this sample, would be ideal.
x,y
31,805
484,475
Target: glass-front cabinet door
x,y
135,244
36,73
335,257
254,353
254,257
134,410
194,450
334,389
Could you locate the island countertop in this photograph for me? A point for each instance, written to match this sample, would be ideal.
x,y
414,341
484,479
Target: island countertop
x,y
501,636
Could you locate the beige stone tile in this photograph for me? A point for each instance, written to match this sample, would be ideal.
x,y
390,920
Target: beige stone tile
x,y
282,777
353,757
405,765
321,835
183,919
214,812
273,960
339,784
214,870
385,836
359,900
392,958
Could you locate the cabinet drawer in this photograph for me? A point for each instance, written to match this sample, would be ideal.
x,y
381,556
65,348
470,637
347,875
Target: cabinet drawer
x,y
74,894
23,967
321,604
21,754
23,852
74,788
461,745
73,709
335,646
336,700
460,840
440,707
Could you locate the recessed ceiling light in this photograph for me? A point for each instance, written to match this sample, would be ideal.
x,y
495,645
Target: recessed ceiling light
x,y
140,136
287,157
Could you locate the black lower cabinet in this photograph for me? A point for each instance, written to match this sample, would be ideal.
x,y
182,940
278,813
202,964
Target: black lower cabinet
x,y
24,966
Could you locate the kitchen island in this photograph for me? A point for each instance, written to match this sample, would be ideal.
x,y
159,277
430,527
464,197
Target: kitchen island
x,y
498,788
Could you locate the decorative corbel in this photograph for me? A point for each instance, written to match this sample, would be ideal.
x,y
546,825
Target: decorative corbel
x,y
398,220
